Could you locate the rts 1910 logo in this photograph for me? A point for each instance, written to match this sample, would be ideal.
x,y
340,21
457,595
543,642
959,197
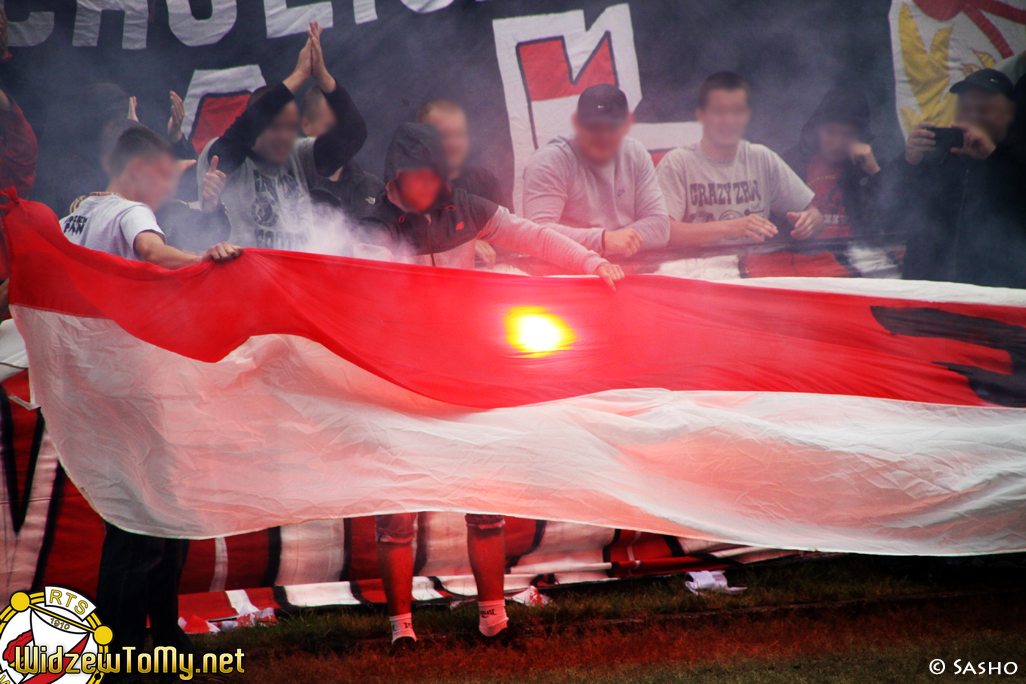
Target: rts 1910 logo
x,y
52,636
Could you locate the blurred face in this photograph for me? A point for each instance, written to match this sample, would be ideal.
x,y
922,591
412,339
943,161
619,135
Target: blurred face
x,y
276,142
419,188
990,111
154,179
725,117
322,121
599,143
836,139
452,127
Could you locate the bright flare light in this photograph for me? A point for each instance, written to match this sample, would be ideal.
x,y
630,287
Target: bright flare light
x,y
535,332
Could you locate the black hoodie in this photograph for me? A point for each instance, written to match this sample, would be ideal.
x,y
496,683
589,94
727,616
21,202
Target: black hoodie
x,y
966,218
858,188
444,235
456,217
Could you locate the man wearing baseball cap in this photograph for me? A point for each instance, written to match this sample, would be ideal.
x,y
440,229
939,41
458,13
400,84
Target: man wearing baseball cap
x,y
600,186
965,206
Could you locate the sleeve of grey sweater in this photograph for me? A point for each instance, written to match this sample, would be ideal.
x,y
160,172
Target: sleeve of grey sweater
x,y
547,181
651,220
527,237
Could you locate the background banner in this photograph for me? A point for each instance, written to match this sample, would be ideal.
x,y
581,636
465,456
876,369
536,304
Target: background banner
x,y
515,65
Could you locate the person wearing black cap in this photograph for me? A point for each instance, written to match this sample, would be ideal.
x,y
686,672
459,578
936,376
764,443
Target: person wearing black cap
x,y
834,158
965,207
600,186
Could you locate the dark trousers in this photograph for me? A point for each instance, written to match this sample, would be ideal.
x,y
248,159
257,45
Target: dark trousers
x,y
139,579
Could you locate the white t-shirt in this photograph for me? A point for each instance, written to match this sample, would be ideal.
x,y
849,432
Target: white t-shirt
x,y
698,189
109,223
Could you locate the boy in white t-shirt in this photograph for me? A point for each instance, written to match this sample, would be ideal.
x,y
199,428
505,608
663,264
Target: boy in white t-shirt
x,y
723,189
139,574
120,221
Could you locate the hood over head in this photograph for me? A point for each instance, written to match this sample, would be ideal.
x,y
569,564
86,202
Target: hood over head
x,y
838,105
415,146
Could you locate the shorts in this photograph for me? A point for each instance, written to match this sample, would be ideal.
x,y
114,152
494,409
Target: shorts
x,y
398,528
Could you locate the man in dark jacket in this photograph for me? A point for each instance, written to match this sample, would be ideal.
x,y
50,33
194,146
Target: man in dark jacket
x,y
965,207
349,189
834,158
270,170
421,218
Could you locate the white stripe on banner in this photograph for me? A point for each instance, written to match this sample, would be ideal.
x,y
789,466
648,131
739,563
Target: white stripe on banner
x,y
283,431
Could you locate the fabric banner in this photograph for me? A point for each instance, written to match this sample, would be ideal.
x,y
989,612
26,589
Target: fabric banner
x,y
937,43
516,66
220,400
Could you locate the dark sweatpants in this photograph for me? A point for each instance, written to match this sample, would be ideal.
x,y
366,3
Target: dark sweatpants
x,y
139,579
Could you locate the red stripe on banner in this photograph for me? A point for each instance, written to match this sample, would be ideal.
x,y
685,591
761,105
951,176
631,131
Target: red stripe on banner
x,y
548,72
488,340
216,113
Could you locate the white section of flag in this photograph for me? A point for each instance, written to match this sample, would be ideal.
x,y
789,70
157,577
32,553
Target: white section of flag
x,y
283,431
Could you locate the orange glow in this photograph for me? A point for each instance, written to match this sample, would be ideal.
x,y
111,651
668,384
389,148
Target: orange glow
x,y
534,332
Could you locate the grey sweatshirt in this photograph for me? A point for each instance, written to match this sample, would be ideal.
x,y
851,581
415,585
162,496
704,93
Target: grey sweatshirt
x,y
581,199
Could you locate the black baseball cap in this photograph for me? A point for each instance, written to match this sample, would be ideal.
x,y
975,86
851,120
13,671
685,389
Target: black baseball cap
x,y
990,80
602,105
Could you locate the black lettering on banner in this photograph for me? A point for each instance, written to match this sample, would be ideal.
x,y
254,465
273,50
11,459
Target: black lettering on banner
x,y
996,388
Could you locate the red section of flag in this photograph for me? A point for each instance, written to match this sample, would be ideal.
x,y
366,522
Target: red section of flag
x,y
444,333
215,114
548,74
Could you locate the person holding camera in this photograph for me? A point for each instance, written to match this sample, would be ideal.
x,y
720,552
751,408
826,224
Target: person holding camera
x,y
962,191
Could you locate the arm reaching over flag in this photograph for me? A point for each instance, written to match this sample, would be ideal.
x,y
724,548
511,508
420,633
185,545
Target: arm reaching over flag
x,y
420,217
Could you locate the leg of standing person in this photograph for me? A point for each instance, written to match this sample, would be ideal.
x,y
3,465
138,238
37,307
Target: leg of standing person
x,y
486,546
123,590
395,559
163,597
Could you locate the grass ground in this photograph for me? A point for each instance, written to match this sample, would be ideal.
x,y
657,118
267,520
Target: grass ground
x,y
847,619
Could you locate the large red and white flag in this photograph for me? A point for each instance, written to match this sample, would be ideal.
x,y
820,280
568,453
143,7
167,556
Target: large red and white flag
x,y
861,416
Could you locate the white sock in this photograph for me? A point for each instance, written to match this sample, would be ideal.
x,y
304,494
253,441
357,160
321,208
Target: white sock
x,y
402,626
491,617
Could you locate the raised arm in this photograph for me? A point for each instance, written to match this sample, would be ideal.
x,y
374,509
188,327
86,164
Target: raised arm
x,y
333,149
232,147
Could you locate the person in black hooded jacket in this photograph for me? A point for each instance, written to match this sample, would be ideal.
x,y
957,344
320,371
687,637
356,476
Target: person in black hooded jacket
x,y
421,218
965,208
834,158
